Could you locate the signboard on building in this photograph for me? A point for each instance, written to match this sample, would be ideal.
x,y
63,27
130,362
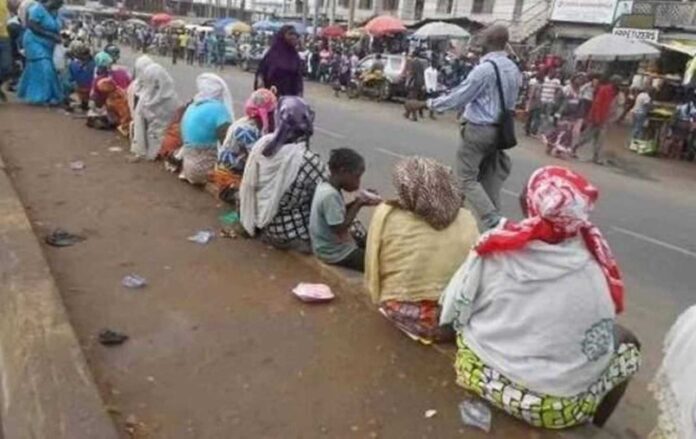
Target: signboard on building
x,y
584,11
637,34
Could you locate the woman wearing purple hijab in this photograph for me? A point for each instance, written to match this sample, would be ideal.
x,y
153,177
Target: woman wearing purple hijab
x,y
281,66
280,177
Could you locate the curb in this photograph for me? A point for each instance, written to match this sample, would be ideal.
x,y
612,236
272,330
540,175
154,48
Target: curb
x,y
46,388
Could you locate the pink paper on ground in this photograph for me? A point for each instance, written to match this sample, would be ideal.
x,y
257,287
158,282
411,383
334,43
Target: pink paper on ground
x,y
313,292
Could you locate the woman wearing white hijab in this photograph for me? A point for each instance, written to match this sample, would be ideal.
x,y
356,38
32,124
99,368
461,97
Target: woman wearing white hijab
x,y
133,94
675,383
156,107
204,126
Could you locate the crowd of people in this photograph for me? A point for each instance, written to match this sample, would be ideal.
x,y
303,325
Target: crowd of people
x,y
532,305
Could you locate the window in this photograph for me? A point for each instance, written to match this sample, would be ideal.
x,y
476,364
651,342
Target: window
x,y
365,4
391,5
482,6
444,6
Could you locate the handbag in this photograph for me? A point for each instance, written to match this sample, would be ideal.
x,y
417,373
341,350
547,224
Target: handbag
x,y
506,121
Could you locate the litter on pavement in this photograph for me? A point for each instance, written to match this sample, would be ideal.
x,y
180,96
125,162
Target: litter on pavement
x,y
202,237
77,165
108,337
229,218
430,413
133,281
313,293
61,238
476,413
115,149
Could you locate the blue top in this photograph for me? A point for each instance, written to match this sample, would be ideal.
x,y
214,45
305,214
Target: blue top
x,y
200,123
37,47
81,73
328,210
478,94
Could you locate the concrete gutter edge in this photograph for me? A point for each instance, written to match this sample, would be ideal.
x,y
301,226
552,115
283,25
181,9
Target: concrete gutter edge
x,y
46,387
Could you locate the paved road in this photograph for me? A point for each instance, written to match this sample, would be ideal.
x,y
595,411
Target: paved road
x,y
646,211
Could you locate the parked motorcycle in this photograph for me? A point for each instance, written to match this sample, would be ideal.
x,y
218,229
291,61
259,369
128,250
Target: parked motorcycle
x,y
375,87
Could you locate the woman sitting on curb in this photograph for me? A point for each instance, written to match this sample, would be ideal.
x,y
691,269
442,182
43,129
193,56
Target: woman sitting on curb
x,y
535,306
415,244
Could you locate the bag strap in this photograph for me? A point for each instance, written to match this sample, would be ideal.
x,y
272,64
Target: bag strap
x,y
503,108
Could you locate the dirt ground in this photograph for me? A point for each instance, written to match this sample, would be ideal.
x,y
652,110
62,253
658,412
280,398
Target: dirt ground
x,y
218,347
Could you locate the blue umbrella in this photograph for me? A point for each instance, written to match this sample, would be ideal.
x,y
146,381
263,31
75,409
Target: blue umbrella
x,y
299,27
267,26
222,23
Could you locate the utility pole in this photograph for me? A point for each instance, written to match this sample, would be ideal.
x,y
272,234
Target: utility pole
x,y
305,7
332,15
315,21
351,14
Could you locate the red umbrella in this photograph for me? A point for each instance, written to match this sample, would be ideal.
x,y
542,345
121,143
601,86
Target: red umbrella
x,y
160,19
384,24
334,31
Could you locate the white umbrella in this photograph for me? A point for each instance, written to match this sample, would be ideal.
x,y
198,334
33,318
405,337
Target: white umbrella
x,y
610,47
440,29
137,22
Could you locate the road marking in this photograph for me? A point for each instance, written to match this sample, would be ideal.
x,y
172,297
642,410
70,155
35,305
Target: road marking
x,y
631,233
662,244
509,192
330,133
391,153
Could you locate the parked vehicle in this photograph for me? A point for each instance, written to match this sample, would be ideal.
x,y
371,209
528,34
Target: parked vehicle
x,y
232,55
251,58
394,67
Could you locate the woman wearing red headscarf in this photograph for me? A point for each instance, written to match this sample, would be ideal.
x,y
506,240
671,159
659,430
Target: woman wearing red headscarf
x,y
534,307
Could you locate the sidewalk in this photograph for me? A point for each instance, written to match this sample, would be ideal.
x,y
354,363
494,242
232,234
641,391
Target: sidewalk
x,y
218,347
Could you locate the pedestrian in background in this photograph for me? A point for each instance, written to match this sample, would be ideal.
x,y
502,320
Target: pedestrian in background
x,y
5,48
432,86
531,126
482,164
201,49
599,117
191,43
550,97
281,66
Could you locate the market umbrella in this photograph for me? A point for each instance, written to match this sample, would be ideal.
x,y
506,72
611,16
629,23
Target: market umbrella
x,y
160,19
267,26
440,29
136,22
610,47
238,27
334,31
299,27
177,24
222,23
356,32
385,24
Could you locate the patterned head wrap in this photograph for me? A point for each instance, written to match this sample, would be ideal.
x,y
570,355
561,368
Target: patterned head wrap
x,y
79,49
294,121
261,104
428,189
559,202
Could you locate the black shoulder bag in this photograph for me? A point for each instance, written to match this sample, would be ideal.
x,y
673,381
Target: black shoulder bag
x,y
506,121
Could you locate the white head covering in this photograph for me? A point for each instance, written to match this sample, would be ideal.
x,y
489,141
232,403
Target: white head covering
x,y
156,90
675,383
141,63
211,86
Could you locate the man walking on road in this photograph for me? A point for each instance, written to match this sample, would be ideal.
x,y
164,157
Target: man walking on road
x,y
482,165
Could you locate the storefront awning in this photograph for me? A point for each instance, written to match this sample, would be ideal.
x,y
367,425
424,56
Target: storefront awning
x,y
687,47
